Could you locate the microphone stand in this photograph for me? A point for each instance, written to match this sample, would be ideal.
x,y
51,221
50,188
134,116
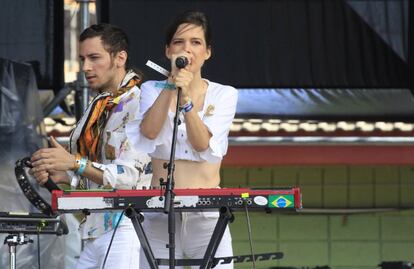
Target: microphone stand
x,y
169,187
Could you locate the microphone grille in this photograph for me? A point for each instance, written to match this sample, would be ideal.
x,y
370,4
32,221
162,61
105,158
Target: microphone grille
x,y
181,62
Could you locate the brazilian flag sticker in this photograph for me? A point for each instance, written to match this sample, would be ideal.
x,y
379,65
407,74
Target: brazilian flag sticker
x,y
281,201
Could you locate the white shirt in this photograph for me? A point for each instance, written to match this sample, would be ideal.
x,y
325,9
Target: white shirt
x,y
217,114
123,166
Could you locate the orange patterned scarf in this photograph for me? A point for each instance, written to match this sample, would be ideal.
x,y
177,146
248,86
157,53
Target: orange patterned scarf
x,y
89,139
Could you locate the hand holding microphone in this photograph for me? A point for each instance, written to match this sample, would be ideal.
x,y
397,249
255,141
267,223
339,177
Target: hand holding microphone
x,y
182,77
178,61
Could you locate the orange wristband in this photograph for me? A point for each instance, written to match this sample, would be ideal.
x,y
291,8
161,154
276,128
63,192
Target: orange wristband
x,y
76,164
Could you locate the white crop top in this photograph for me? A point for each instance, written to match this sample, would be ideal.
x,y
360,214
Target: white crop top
x,y
217,114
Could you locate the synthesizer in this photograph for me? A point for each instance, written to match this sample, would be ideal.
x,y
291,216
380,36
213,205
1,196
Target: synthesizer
x,y
184,200
31,223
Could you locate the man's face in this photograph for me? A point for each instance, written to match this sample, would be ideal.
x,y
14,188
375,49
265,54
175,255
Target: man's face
x,y
97,64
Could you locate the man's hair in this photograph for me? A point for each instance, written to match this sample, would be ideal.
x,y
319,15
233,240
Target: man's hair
x,y
113,38
192,17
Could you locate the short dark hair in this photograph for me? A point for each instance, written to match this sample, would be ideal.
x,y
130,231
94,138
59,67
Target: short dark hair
x,y
114,39
192,17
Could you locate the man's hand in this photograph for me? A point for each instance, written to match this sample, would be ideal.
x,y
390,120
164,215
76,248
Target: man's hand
x,y
56,176
51,162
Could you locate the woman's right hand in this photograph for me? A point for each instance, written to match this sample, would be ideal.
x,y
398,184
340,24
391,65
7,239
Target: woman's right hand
x,y
181,77
183,80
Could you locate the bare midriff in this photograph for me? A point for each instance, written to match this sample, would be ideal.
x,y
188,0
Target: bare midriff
x,y
188,174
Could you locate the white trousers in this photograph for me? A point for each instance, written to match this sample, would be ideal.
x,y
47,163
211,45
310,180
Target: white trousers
x,y
193,231
124,252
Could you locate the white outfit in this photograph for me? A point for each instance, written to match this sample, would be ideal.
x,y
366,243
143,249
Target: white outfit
x,y
124,253
193,230
217,114
124,167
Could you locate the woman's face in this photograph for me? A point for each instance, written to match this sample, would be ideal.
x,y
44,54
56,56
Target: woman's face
x,y
189,41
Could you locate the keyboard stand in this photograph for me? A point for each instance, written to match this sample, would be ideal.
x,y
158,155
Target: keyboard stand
x,y
13,240
19,226
208,260
137,220
226,216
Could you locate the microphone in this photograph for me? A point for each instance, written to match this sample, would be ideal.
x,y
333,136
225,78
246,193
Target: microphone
x,y
181,62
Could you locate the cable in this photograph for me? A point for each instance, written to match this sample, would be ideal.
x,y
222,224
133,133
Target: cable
x,y
112,238
38,249
249,232
40,226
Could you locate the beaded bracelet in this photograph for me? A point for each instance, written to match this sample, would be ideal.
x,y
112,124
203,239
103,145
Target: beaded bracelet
x,y
82,166
187,106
